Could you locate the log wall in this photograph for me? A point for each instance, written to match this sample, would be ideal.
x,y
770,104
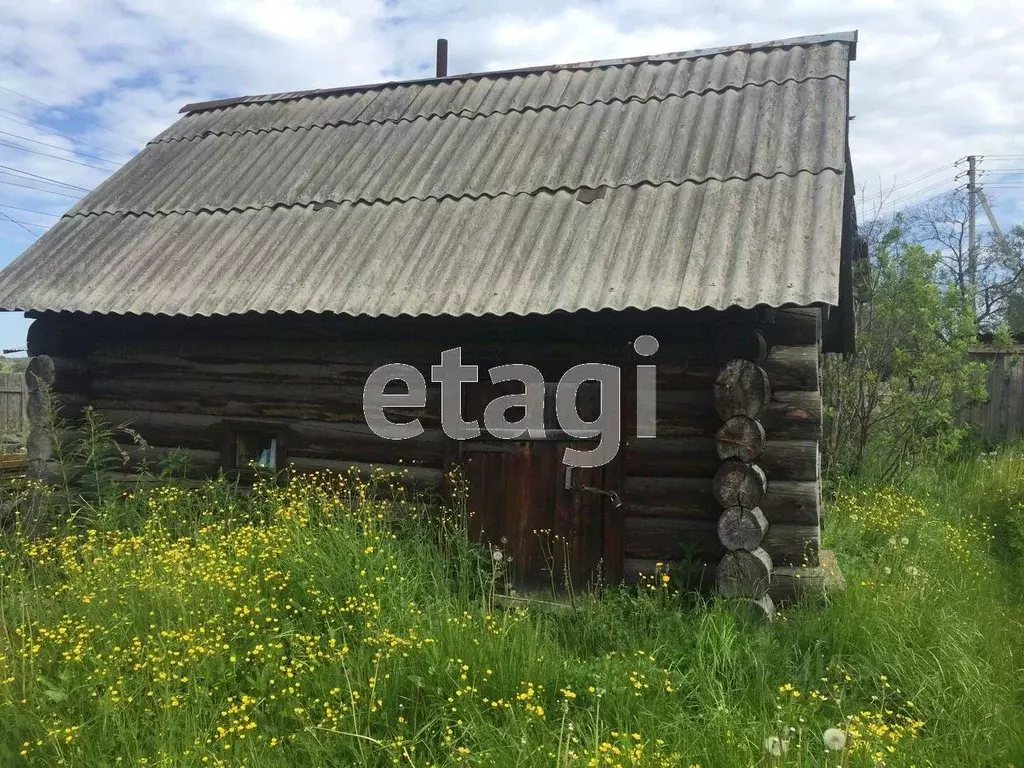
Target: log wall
x,y
672,511
186,382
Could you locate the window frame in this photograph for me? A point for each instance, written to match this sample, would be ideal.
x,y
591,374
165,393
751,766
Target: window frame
x,y
233,431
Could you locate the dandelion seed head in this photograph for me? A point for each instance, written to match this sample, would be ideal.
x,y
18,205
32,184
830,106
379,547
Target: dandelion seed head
x,y
835,739
775,746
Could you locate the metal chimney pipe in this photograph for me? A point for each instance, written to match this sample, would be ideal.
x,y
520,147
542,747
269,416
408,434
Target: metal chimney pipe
x,y
442,57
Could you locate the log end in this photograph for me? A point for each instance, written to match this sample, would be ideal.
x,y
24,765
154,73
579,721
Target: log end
x,y
739,485
742,528
741,388
744,574
741,438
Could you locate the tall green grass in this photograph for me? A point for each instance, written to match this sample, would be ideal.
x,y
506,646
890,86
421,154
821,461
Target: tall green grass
x,y
327,624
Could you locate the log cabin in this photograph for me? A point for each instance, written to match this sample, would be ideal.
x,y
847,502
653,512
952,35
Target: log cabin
x,y
231,288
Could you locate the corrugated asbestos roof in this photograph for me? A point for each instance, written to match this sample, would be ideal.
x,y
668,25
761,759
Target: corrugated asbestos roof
x,y
722,177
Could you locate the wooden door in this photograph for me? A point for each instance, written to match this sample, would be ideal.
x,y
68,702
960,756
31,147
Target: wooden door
x,y
519,502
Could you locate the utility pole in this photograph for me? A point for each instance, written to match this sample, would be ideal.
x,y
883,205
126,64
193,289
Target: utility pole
x,y
972,191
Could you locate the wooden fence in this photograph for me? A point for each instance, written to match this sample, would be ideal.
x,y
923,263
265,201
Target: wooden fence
x,y
1001,417
13,399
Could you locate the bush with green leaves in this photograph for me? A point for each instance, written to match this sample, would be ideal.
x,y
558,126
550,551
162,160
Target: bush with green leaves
x,y
897,399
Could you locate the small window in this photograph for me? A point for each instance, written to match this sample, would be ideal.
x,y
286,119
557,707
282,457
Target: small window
x,y
256,449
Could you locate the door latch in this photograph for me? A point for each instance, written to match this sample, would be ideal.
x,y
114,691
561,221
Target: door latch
x,y
612,496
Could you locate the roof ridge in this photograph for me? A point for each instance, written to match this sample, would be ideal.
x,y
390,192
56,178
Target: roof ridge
x,y
468,115
849,38
332,203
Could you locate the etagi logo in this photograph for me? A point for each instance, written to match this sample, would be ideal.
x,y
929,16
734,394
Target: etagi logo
x,y
451,374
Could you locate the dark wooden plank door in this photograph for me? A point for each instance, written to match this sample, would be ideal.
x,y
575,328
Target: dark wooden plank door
x,y
518,501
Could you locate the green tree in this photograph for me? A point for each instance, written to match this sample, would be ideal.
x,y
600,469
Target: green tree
x,y
12,364
898,398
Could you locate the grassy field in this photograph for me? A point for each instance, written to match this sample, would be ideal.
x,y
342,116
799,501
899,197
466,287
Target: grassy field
x,y
310,626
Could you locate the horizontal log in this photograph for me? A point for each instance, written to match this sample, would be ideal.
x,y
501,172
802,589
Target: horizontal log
x,y
217,390
793,327
793,544
696,457
789,415
58,336
295,359
793,416
200,463
670,497
673,324
673,539
310,439
249,409
686,367
796,503
788,368
793,369
58,374
740,341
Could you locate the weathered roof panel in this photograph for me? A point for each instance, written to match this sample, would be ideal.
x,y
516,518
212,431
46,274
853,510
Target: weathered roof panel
x,y
722,172
651,246
773,129
532,90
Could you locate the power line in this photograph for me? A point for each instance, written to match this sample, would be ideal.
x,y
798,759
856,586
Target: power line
x,y
55,157
30,223
15,117
39,189
29,210
83,118
920,191
909,182
43,178
57,146
20,224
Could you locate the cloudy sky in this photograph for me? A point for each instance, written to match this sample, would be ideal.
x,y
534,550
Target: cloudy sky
x,y
84,83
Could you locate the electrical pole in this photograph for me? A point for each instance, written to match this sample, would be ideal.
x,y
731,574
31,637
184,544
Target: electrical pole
x,y
972,190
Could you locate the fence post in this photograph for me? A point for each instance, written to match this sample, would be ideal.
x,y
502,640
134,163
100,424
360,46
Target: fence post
x,y
13,407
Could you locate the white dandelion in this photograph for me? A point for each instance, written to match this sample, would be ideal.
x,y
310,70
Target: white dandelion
x,y
775,746
835,739
888,570
496,554
904,541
